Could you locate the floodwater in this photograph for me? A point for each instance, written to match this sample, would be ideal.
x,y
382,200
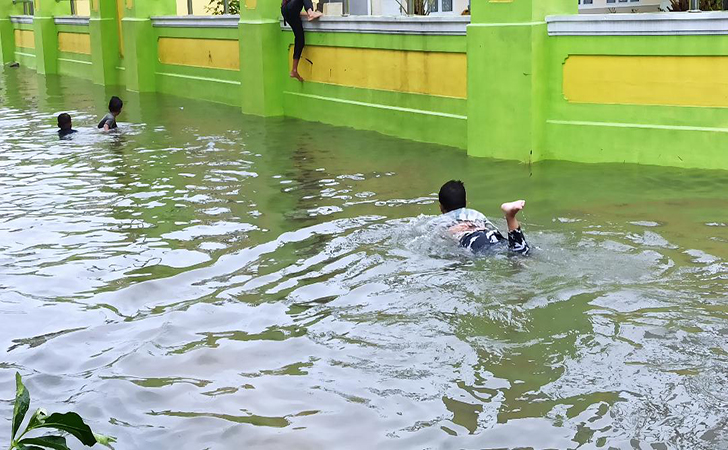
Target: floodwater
x,y
206,280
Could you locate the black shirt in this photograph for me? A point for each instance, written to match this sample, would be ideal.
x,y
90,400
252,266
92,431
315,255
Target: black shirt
x,y
65,132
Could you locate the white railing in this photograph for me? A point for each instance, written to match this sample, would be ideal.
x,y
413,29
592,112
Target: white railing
x,y
658,24
196,21
442,25
78,21
28,20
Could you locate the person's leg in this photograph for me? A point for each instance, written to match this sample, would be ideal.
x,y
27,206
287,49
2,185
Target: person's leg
x,y
482,240
292,15
510,210
294,21
516,240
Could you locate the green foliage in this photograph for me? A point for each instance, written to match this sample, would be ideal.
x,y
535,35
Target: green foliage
x,y
705,5
419,7
22,403
70,423
217,7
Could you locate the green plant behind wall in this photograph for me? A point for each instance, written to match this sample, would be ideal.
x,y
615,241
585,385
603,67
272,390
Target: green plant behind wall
x,y
217,7
63,424
419,7
705,5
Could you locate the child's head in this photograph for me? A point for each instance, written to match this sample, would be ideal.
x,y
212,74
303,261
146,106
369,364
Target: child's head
x,y
452,196
115,105
64,121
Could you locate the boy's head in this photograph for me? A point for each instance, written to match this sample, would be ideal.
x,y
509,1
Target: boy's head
x,y
452,196
115,105
64,121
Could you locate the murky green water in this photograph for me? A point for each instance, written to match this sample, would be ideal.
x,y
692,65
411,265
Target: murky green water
x,y
205,280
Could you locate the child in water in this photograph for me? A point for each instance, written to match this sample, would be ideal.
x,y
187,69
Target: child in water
x,y
472,229
65,126
109,120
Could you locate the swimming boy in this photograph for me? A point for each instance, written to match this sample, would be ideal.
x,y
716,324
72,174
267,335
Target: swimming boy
x,y
109,120
65,126
472,229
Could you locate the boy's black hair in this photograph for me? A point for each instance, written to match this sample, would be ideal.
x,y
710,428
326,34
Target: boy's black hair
x,y
115,104
452,195
64,121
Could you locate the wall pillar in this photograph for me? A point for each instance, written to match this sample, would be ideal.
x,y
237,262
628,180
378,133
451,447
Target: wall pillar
x,y
140,44
262,60
7,32
105,50
46,34
506,84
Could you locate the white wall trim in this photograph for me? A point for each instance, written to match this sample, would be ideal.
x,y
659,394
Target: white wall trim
x,y
434,25
657,24
28,20
79,21
196,21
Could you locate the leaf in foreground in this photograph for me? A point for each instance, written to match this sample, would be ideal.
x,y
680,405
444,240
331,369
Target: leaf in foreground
x,y
53,442
104,440
71,423
22,403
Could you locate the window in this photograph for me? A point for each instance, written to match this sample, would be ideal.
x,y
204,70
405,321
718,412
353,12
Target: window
x,y
202,7
28,7
447,6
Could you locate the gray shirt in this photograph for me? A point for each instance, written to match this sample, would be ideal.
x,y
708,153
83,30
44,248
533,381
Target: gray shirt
x,y
109,120
464,221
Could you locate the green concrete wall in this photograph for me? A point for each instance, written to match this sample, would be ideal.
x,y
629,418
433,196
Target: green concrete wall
x,y
23,56
217,85
74,64
418,117
106,56
679,136
515,107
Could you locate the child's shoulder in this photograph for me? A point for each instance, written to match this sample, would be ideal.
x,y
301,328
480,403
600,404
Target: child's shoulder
x,y
467,215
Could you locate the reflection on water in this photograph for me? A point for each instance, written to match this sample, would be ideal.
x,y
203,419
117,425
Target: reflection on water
x,y
204,280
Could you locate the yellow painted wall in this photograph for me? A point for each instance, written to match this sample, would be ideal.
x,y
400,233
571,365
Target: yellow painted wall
x,y
74,43
119,17
432,73
199,7
212,53
647,80
83,8
24,39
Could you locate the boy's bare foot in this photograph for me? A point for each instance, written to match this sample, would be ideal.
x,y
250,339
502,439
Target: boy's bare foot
x,y
296,75
313,15
512,208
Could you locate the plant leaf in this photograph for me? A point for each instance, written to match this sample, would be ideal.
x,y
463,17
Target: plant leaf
x,y
105,440
37,419
23,447
54,442
71,423
22,403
